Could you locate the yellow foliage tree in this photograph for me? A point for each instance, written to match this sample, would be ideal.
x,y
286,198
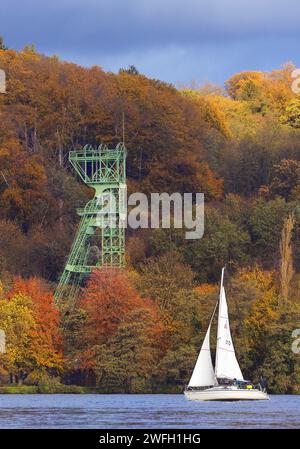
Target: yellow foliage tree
x,y
211,110
255,303
28,347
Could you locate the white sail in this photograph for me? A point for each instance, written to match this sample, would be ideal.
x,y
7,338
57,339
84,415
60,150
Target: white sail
x,y
203,374
226,363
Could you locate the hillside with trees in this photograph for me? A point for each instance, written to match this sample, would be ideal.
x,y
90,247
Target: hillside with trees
x,y
140,329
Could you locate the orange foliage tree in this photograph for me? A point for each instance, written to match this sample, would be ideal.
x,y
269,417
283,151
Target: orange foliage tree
x,y
107,297
112,308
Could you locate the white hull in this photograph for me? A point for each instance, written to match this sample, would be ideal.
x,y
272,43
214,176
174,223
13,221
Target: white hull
x,y
226,394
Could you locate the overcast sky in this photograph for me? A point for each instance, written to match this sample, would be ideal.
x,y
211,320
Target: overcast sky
x,y
174,40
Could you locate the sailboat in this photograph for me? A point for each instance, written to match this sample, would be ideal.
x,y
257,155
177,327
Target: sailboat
x,y
226,381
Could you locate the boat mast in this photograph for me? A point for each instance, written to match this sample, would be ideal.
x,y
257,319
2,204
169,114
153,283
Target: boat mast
x,y
219,321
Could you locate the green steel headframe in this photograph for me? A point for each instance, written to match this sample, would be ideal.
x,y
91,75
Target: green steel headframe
x,y
100,239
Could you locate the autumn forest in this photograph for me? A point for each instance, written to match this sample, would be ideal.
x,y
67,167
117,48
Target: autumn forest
x,y
140,329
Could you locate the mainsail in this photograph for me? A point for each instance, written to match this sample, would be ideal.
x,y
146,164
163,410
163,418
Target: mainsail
x,y
203,374
226,363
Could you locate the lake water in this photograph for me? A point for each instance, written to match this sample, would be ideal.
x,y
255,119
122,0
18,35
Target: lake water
x,y
144,411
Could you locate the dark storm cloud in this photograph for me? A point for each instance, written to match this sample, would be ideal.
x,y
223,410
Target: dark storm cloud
x,y
149,32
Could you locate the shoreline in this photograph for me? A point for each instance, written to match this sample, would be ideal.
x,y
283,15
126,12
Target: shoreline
x,y
76,389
